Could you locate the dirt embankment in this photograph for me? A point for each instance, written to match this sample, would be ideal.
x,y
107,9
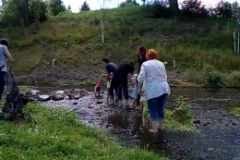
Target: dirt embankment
x,y
79,74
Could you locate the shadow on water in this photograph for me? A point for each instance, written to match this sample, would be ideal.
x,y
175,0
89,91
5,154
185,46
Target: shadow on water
x,y
220,131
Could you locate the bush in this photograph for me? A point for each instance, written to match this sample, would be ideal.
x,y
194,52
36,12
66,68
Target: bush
x,y
194,9
236,112
233,79
213,77
193,75
159,9
182,113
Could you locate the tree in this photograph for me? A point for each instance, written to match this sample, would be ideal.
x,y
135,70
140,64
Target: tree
x,y
194,8
174,6
38,10
26,11
69,7
56,7
235,10
3,2
144,2
224,10
23,12
129,3
84,7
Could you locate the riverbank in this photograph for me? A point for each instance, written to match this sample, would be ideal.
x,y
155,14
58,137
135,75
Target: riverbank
x,y
59,135
87,76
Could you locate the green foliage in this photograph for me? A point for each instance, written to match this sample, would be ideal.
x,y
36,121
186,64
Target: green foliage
x,y
213,77
128,3
194,9
159,9
15,13
85,7
74,39
193,75
56,6
38,11
59,135
234,78
182,113
236,111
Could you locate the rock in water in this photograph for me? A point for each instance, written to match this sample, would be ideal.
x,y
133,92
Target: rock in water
x,y
32,93
60,92
74,96
57,97
43,97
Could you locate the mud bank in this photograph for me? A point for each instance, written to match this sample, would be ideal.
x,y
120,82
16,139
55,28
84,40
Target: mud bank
x,y
219,136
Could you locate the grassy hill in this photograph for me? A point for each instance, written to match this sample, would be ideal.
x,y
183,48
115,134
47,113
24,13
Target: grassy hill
x,y
202,46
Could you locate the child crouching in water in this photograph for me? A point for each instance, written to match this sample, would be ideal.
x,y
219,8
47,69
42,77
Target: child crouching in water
x,y
135,90
145,111
98,89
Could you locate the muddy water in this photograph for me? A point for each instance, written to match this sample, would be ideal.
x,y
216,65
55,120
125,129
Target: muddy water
x,y
220,131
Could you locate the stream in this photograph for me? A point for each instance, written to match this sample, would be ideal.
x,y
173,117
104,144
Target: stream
x,y
219,137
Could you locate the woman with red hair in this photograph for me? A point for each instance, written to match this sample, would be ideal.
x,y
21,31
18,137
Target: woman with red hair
x,y
153,73
141,56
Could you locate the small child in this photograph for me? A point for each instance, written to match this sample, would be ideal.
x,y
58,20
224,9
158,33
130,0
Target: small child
x,y
109,98
145,111
98,89
134,94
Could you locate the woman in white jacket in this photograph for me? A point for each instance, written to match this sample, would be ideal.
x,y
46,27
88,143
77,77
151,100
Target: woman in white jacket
x,y
156,88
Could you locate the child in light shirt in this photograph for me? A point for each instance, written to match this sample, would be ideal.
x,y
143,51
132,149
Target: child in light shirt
x,y
109,98
145,111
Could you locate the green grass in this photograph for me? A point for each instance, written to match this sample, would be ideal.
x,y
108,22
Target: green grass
x,y
236,111
172,123
59,135
74,40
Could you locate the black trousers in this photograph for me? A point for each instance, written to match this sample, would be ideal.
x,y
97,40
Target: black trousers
x,y
2,83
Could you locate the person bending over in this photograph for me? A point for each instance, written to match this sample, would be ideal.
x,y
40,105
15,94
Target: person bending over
x,y
121,77
111,68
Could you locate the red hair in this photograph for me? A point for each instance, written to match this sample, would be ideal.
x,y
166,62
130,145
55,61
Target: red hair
x,y
151,54
142,49
131,62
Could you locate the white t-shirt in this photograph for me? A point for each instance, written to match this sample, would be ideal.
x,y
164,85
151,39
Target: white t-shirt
x,y
154,73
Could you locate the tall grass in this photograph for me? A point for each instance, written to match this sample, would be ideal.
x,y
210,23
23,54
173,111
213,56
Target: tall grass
x,y
75,39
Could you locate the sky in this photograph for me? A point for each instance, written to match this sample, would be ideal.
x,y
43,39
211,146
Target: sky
x,y
97,4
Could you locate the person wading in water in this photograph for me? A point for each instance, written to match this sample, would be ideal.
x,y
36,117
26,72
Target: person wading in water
x,y
121,77
111,68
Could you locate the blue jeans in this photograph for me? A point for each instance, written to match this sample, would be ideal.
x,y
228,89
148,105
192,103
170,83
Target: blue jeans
x,y
156,107
2,83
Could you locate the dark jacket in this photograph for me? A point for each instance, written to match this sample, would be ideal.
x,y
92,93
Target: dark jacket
x,y
141,59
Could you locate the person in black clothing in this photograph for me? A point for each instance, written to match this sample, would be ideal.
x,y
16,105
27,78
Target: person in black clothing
x,y
111,68
141,56
121,77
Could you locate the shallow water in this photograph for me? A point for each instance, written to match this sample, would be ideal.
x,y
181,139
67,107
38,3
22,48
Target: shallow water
x,y
220,131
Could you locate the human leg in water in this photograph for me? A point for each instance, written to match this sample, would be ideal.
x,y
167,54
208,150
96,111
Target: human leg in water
x,y
161,102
